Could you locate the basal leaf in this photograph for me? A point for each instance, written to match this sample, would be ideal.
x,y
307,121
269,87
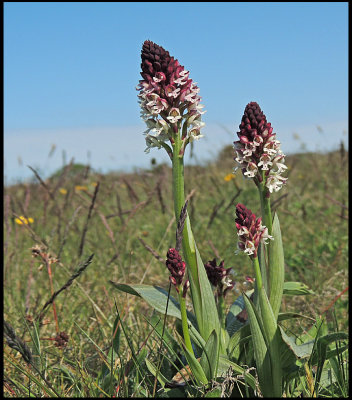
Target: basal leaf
x,y
195,366
210,356
261,353
276,267
156,297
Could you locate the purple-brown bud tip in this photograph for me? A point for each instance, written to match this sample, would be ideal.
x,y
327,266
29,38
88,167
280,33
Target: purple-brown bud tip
x,y
219,276
176,266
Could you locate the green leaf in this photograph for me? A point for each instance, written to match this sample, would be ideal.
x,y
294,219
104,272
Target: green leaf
x,y
300,351
261,353
216,392
276,267
156,297
114,350
296,289
210,356
158,324
233,324
239,337
272,338
36,350
209,313
290,315
153,370
195,366
321,351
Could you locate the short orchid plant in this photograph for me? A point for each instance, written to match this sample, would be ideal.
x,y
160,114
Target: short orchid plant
x,y
214,340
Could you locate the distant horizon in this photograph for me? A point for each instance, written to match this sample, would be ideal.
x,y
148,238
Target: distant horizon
x,y
217,136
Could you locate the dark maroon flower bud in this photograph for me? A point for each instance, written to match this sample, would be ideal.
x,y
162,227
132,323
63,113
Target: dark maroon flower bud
x,y
176,266
219,276
61,339
250,230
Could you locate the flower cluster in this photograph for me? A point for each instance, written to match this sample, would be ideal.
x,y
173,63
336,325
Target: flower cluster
x,y
250,231
167,97
258,152
177,268
219,277
21,220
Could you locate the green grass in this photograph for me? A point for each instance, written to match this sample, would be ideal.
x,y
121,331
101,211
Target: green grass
x,y
313,211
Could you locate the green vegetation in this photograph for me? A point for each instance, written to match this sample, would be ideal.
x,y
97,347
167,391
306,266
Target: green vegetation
x,y
123,219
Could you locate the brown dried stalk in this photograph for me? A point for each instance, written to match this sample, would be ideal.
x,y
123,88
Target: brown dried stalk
x,y
80,250
66,285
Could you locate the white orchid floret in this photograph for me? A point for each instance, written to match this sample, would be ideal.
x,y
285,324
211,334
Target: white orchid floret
x,y
243,231
194,134
274,182
265,235
198,123
151,141
258,140
280,167
171,91
249,149
250,247
265,161
181,80
196,107
174,115
270,148
251,170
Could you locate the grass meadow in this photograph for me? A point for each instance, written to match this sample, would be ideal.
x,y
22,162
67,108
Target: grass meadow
x,y
126,221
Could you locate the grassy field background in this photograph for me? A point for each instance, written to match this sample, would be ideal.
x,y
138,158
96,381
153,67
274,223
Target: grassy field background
x,y
120,218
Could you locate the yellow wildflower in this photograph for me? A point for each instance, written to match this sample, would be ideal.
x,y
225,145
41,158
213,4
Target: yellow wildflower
x,y
228,177
63,191
79,187
21,220
94,184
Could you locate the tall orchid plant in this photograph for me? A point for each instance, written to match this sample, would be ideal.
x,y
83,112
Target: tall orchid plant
x,y
212,339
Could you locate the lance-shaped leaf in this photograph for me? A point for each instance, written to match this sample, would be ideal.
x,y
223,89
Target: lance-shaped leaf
x,y
202,294
261,353
153,370
321,351
114,349
276,267
272,337
210,356
157,298
195,366
234,320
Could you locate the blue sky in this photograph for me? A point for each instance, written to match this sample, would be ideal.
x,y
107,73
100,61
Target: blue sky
x,y
70,72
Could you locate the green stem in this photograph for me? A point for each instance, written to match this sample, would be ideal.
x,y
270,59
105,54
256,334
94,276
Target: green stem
x,y
188,251
258,275
185,330
265,205
178,177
